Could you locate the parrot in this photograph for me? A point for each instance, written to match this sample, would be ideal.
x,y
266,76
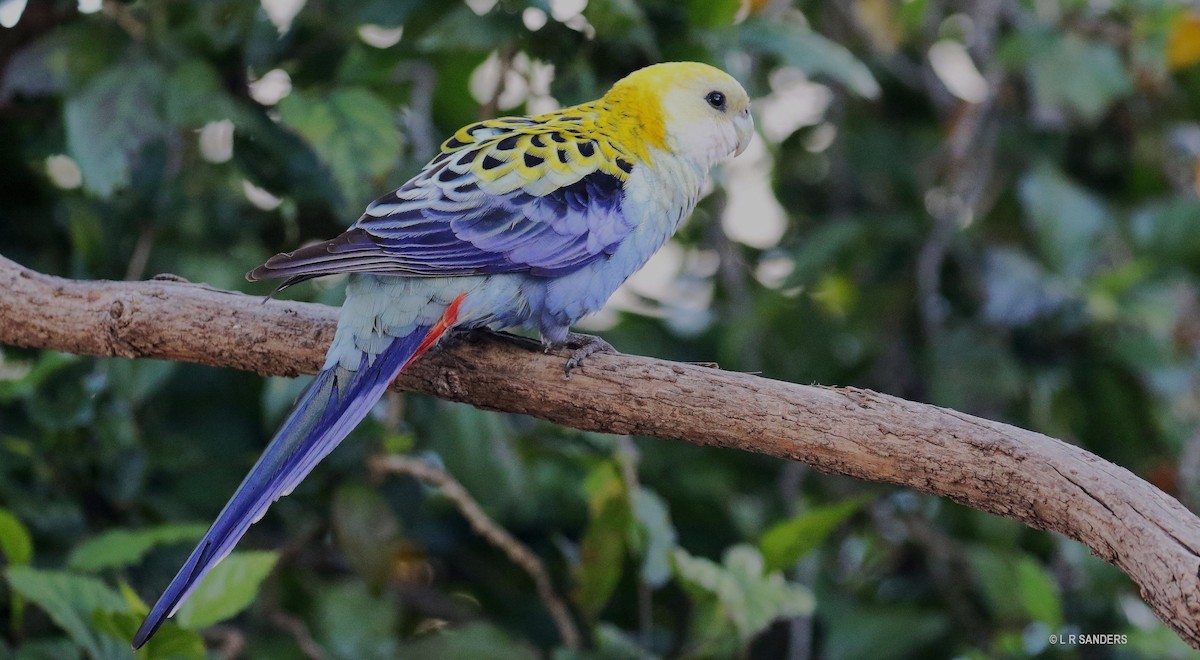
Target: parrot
x,y
523,221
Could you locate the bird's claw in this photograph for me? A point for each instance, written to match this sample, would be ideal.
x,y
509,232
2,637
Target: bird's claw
x,y
583,346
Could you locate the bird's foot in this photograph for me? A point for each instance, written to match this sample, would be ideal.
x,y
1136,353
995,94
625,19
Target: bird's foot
x,y
582,347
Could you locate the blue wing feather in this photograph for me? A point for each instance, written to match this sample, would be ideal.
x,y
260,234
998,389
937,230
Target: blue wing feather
x,y
438,225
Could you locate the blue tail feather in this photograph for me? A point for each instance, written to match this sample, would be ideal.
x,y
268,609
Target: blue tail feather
x,y
332,405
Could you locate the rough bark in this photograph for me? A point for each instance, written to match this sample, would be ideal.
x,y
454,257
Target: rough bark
x,y
993,467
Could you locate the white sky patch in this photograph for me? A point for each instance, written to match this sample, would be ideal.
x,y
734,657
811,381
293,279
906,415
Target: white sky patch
x,y
527,80
675,285
821,138
259,197
90,6
794,102
485,80
540,105
540,74
481,7
655,278
281,13
953,66
1138,613
64,172
565,10
272,87
379,36
570,14
580,24
773,269
10,12
752,215
216,141
605,319
533,18
13,370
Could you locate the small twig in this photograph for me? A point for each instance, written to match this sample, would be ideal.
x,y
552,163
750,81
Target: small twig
x,y
420,130
296,628
124,19
141,254
490,530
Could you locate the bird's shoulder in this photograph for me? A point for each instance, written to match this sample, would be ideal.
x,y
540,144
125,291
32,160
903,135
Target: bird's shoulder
x,y
537,154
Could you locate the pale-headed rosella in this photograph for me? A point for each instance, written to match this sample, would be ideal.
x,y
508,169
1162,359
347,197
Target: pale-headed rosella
x,y
519,221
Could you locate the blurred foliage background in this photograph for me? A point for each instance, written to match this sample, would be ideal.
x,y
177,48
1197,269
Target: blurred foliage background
x,y
989,205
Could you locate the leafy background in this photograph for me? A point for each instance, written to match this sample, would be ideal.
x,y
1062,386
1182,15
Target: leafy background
x,y
988,205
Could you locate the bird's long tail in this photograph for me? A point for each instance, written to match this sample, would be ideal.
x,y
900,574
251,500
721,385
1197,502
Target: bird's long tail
x,y
333,404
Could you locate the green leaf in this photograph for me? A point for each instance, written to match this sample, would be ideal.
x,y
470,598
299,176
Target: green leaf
x,y
119,548
353,623
138,380
1067,221
796,45
70,601
193,95
170,641
602,550
367,531
1016,587
625,18
453,105
16,548
354,134
788,541
110,119
1039,593
226,590
895,632
1169,228
446,35
1081,76
750,598
821,249
712,13
654,520
15,543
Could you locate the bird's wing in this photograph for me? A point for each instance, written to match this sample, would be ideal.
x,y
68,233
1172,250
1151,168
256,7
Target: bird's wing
x,y
539,195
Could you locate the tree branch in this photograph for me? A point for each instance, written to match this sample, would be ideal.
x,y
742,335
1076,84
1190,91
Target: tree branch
x,y
986,465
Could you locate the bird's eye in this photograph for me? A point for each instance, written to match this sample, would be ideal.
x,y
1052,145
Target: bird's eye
x,y
716,100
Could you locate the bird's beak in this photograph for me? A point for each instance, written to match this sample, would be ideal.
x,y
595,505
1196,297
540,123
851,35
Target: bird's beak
x,y
743,123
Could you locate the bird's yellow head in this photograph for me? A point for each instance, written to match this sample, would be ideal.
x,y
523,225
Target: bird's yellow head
x,y
689,109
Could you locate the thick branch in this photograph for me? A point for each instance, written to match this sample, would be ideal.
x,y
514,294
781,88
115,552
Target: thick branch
x,y
990,466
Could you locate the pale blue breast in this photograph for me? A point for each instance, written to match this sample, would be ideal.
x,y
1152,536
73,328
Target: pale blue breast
x,y
656,201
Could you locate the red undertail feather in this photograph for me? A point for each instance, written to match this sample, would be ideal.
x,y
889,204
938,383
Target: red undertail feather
x,y
449,318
